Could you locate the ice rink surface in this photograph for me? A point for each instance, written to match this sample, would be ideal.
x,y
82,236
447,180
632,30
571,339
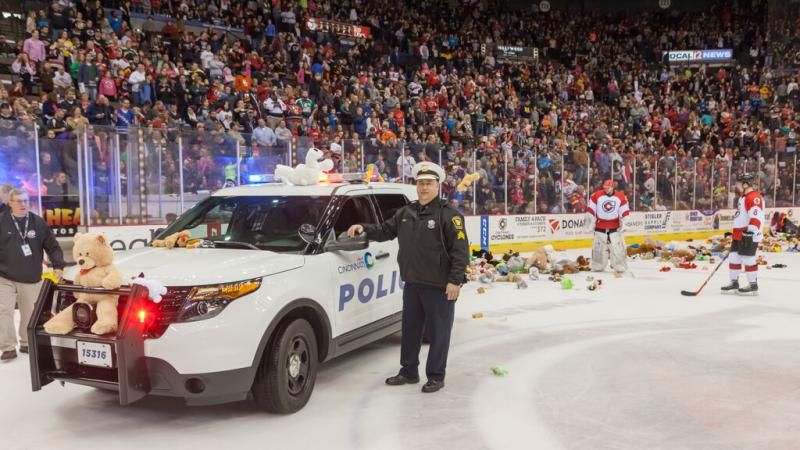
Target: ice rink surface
x,y
633,365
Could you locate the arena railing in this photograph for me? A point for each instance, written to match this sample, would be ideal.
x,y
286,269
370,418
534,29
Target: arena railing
x,y
150,175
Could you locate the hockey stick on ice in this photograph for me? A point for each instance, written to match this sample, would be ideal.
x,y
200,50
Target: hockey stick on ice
x,y
694,294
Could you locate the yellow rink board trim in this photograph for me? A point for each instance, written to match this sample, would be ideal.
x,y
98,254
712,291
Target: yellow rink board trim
x,y
587,243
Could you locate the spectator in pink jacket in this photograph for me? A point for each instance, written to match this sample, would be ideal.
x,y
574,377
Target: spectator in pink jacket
x,y
34,48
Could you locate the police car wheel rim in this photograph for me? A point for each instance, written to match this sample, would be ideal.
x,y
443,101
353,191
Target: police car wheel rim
x,y
297,365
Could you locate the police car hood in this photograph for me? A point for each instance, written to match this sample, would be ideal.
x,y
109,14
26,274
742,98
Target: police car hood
x,y
201,266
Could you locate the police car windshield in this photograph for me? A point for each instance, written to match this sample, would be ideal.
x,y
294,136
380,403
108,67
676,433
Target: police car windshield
x,y
269,223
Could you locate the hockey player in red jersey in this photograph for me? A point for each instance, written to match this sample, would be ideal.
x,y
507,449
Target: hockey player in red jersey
x,y
748,223
607,211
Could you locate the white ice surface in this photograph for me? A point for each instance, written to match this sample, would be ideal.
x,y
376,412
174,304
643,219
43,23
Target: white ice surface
x,y
633,365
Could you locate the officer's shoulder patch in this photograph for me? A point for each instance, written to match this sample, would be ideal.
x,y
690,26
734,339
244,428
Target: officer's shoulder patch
x,y
457,222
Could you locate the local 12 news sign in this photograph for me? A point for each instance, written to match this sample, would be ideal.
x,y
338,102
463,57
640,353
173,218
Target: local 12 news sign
x,y
331,26
700,56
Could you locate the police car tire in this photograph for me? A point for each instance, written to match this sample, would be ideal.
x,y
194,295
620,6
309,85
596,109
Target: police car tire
x,y
271,388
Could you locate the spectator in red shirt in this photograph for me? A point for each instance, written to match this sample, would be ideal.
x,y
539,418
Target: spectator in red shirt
x,y
399,116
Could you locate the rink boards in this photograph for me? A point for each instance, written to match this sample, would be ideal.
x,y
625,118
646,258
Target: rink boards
x,y
526,232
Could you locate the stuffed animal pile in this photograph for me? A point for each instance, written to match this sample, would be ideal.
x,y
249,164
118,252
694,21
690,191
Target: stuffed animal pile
x,y
95,259
511,267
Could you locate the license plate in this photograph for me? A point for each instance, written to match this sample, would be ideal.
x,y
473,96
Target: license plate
x,y
94,354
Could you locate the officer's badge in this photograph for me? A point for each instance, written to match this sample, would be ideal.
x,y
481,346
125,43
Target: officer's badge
x,y
431,224
31,234
424,168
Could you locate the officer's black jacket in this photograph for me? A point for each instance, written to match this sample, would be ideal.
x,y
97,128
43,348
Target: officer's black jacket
x,y
433,242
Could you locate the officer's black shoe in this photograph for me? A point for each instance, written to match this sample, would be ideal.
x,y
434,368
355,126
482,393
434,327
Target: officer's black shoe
x,y
399,380
751,289
23,349
731,288
8,354
432,386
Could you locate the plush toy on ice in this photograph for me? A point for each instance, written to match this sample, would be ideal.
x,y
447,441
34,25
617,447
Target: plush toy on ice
x,y
96,261
305,174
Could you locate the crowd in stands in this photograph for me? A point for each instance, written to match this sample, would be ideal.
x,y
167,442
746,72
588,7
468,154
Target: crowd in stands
x,y
600,102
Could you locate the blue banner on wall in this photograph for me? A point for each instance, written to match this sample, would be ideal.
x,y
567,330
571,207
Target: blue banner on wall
x,y
485,233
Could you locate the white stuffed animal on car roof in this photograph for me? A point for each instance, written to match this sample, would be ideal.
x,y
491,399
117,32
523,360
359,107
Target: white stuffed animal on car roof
x,y
305,174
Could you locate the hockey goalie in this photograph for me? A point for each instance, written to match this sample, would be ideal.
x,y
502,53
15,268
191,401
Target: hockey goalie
x,y
606,214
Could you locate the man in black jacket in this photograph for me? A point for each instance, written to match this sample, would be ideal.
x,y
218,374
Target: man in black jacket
x,y
24,237
433,257
100,112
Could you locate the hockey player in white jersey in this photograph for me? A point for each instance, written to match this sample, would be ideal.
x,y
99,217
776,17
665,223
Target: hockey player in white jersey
x,y
606,214
748,223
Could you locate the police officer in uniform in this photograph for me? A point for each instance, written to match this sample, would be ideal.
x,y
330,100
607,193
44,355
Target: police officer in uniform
x,y
433,257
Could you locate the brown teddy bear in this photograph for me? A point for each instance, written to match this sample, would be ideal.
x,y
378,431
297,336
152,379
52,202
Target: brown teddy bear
x,y
540,259
179,239
686,255
646,251
96,261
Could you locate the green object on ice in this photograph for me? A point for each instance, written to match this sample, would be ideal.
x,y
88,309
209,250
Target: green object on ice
x,y
566,284
498,371
701,258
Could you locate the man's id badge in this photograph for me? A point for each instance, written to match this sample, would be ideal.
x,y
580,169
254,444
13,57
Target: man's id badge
x,y
26,250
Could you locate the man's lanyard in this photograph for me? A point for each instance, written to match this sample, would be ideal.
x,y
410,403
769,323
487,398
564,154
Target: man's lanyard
x,y
24,231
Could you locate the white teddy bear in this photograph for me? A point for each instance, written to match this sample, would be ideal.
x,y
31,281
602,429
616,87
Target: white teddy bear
x,y
305,174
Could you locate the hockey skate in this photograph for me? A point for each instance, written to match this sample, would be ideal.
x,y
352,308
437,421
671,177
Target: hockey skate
x,y
751,290
731,289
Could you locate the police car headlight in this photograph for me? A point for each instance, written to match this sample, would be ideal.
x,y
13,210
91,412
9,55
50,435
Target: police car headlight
x,y
206,302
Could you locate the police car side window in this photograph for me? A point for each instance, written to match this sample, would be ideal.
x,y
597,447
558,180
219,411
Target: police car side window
x,y
355,210
388,204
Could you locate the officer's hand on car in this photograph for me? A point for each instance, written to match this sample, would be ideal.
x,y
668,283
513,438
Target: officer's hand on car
x,y
452,291
355,230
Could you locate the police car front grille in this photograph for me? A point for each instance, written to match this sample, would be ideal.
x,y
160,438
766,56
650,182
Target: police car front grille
x,y
168,309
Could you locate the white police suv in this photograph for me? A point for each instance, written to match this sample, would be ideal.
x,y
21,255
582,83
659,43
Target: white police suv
x,y
275,290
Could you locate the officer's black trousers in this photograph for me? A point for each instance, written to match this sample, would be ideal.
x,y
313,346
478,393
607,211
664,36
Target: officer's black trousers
x,y
426,306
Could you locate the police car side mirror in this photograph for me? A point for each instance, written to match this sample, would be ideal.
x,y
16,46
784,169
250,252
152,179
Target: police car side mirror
x,y
346,244
307,233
